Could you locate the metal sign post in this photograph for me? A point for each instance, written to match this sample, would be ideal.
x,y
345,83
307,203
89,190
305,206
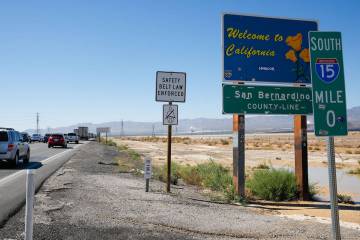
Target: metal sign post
x,y
329,101
147,173
169,157
170,87
333,189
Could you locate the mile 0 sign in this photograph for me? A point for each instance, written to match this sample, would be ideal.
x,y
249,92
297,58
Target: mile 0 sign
x,y
170,86
327,73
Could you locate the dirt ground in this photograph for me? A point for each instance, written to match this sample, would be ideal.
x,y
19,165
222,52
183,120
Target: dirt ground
x,y
273,149
88,200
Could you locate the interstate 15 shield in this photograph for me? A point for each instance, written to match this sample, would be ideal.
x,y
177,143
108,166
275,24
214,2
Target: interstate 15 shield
x,y
327,69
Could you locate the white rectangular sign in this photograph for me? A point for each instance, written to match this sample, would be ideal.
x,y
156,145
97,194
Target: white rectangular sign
x,y
147,170
170,86
103,130
170,114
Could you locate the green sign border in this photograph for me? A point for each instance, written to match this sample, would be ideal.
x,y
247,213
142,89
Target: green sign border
x,y
280,104
329,112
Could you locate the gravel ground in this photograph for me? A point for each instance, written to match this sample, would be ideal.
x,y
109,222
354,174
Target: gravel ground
x,y
88,200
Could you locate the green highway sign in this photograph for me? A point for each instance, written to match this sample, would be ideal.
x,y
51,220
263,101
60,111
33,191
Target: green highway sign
x,y
327,74
244,99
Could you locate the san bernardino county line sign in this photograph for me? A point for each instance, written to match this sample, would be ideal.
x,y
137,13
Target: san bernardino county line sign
x,y
170,86
327,73
245,99
266,49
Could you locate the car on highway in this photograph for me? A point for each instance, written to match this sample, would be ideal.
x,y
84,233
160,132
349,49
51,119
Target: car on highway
x,y
13,147
26,137
36,137
46,137
57,139
72,137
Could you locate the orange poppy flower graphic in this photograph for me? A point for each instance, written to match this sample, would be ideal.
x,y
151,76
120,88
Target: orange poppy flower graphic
x,y
304,55
291,55
299,56
295,41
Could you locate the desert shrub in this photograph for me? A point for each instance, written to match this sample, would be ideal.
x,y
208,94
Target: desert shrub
x,y
210,175
160,173
190,175
134,155
224,141
354,171
273,184
343,198
262,166
110,143
123,147
214,176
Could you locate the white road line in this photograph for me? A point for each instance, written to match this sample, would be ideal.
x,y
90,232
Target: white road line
x,y
14,175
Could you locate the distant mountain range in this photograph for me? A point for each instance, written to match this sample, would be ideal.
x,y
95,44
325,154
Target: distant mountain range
x,y
258,123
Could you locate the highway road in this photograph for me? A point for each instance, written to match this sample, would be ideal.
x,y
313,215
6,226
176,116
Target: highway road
x,y
39,152
13,180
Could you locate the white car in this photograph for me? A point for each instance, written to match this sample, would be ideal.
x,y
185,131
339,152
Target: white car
x,y
36,138
72,137
13,147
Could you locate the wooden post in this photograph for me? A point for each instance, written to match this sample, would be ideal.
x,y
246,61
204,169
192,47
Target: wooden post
x,y
147,185
301,156
239,154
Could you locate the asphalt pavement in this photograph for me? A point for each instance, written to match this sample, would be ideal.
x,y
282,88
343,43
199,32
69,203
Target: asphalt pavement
x,y
38,153
13,180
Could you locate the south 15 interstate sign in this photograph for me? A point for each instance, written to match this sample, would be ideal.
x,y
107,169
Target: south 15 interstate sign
x,y
327,73
264,49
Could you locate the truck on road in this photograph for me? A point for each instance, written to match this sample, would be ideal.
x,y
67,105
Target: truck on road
x,y
83,133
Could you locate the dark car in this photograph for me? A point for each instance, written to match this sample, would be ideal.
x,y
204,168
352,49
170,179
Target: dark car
x,y
57,140
26,137
46,137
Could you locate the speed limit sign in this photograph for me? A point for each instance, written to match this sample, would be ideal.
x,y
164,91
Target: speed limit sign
x,y
327,75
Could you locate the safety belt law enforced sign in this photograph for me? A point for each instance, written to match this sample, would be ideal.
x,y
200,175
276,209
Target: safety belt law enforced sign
x,y
327,74
170,86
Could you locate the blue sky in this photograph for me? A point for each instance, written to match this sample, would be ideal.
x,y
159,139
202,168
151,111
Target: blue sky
x,y
95,61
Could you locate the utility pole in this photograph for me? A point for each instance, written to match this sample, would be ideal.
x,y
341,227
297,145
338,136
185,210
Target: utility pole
x,y
122,128
37,123
153,130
